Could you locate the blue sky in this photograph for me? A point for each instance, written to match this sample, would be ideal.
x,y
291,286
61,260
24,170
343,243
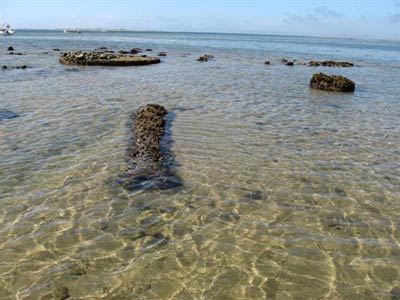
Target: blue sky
x,y
344,18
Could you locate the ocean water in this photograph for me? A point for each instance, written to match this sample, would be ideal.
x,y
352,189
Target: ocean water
x,y
288,193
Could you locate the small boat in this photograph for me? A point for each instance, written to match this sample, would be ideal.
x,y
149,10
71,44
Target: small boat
x,y
76,30
5,29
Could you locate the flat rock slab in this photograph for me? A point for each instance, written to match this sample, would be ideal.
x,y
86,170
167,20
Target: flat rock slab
x,y
102,59
333,83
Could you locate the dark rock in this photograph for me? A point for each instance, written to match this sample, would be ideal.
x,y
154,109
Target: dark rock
x,y
144,55
330,63
149,49
150,157
135,51
56,49
332,83
16,67
205,57
149,129
123,52
102,48
102,59
287,62
267,63
10,49
6,114
162,54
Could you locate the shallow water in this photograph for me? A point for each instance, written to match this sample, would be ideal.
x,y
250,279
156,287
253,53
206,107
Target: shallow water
x,y
288,193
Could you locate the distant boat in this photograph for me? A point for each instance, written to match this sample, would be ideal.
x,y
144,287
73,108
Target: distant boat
x,y
72,31
5,29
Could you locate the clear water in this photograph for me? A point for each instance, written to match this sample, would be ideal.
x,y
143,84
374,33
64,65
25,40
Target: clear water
x,y
288,193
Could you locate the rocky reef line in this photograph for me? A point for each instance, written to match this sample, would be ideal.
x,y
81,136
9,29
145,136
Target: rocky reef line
x,y
150,159
103,59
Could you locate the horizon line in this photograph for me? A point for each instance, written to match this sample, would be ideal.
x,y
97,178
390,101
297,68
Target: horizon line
x,y
96,29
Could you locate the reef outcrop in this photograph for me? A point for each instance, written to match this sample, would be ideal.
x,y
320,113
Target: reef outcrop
x,y
150,158
103,59
331,63
333,83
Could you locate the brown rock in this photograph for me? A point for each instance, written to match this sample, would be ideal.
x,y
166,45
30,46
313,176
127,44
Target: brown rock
x,y
331,63
135,51
205,57
332,83
148,130
102,59
151,159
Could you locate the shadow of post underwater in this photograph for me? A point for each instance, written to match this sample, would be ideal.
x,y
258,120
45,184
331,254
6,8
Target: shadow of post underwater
x,y
151,162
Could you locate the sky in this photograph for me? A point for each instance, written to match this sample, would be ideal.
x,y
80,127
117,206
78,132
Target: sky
x,y
378,19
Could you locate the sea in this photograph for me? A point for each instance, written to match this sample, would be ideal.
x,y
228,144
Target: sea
x,y
286,192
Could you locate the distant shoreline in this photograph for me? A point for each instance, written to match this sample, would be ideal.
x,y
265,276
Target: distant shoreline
x,y
105,30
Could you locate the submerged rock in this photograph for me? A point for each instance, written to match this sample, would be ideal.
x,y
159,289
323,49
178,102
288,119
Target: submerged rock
x,y
205,58
162,54
56,49
267,63
10,49
331,63
102,59
332,83
149,49
287,62
135,51
14,67
150,155
123,52
7,114
149,129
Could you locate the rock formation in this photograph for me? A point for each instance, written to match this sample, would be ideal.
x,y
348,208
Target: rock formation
x,y
150,157
332,83
102,59
205,57
331,63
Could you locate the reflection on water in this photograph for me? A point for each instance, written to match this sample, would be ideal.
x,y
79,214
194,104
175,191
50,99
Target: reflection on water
x,y
288,193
